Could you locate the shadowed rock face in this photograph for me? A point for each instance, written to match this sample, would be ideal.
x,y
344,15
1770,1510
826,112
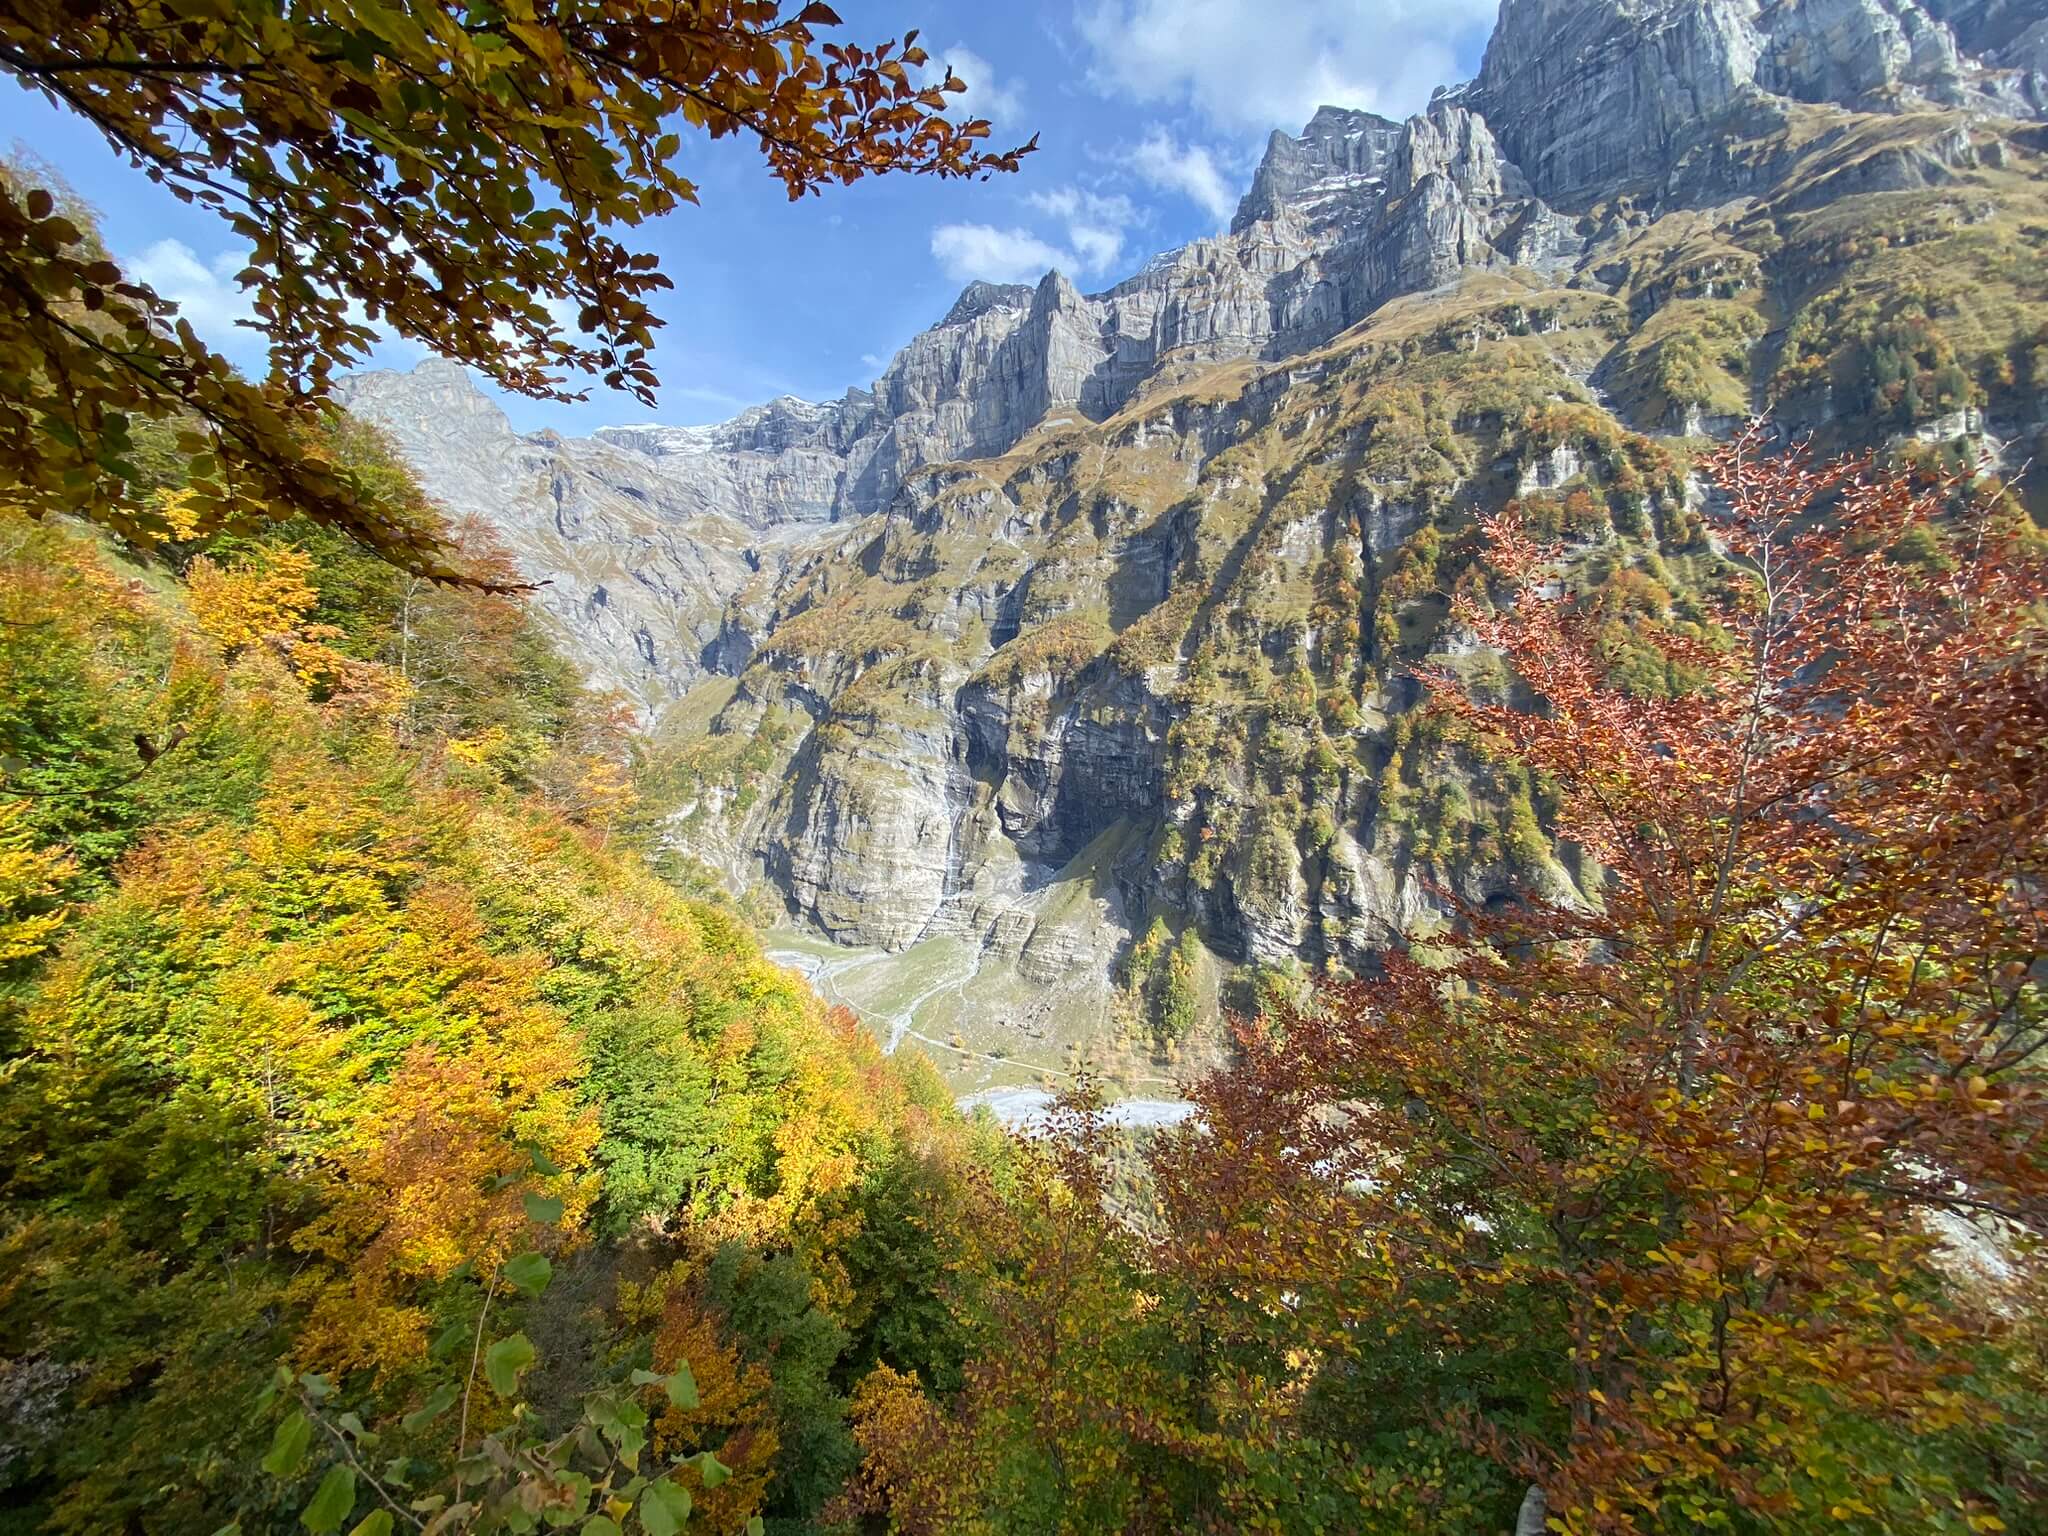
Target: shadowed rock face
x,y
1129,591
2004,34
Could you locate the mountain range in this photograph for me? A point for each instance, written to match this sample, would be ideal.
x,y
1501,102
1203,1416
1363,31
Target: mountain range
x,y
1096,620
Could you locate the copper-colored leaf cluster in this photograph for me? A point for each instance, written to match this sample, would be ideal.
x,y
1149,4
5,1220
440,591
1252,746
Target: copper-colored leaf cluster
x,y
1699,1189
1681,1162
451,172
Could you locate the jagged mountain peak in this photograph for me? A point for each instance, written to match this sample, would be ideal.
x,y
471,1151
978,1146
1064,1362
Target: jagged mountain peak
x,y
1597,97
1341,149
1576,99
1060,606
978,298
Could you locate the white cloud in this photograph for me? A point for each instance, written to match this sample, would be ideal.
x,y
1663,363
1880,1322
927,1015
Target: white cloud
x,y
718,399
971,251
1095,225
985,96
873,360
1188,169
205,292
1270,63
1092,240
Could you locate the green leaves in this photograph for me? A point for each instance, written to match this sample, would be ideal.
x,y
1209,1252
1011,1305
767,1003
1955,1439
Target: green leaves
x,y
438,1402
680,1385
376,1523
332,1500
545,1209
288,1445
504,1360
529,1272
664,1507
711,1469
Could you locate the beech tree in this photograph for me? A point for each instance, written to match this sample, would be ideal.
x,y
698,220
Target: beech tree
x,y
326,1038
456,173
1663,1192
1699,1191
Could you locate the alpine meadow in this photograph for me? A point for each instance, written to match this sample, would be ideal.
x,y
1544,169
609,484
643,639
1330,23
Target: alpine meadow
x,y
1390,877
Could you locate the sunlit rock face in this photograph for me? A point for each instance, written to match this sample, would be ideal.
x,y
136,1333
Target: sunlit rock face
x,y
1598,97
1097,607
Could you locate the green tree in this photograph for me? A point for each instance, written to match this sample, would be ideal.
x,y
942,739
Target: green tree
x,y
655,1097
1176,1006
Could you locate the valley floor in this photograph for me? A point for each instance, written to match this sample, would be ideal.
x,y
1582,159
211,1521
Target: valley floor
x,y
1000,1038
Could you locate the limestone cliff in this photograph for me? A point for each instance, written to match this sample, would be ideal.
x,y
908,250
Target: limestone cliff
x,y
1126,593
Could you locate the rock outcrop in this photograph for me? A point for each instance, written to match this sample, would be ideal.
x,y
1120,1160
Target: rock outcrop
x,y
1055,604
1594,98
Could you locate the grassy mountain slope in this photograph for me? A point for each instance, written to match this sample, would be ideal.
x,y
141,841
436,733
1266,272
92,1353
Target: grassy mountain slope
x,y
1197,621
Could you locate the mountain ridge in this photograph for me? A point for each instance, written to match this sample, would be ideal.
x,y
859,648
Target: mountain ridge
x,y
1098,610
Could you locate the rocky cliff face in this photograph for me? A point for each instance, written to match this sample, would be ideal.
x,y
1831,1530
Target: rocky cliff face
x,y
1125,593
1594,98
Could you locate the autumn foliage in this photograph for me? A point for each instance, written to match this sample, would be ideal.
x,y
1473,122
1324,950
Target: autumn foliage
x,y
365,1087
461,174
1697,1191
347,1034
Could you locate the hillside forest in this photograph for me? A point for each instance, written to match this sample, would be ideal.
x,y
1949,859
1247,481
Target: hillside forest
x,y
397,1136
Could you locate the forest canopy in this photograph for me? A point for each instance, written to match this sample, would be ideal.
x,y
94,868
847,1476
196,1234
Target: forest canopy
x,y
349,1036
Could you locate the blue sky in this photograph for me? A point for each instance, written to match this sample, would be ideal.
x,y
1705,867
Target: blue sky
x,y
1151,115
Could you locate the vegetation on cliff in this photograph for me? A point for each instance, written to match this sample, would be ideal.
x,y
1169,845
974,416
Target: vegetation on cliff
x,y
339,1007
399,1137
1708,1204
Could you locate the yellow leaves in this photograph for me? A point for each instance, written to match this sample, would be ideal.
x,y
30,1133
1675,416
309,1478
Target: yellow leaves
x,y
267,599
606,790
431,1177
180,516
30,879
264,597
480,750
897,1428
310,978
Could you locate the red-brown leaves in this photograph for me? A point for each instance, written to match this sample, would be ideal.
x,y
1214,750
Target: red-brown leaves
x,y
1678,1143
454,173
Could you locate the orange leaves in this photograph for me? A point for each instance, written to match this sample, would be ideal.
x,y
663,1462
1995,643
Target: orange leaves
x,y
413,1205
454,174
1681,1144
733,1417
897,1429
